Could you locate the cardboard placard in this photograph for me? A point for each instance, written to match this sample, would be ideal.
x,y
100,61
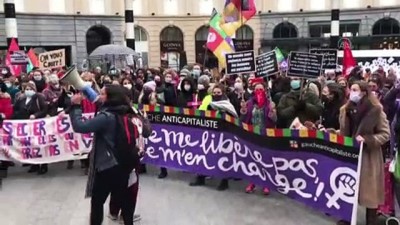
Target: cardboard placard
x,y
52,59
330,57
240,62
305,65
267,64
18,57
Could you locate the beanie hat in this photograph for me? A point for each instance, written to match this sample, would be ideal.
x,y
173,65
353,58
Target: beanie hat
x,y
184,72
31,84
204,80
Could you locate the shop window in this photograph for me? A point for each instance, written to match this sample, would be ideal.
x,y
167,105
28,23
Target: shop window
x,y
386,26
285,30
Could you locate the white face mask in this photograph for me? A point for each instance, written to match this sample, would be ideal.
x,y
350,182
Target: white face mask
x,y
129,86
200,87
8,84
355,96
187,87
29,93
37,77
4,71
238,86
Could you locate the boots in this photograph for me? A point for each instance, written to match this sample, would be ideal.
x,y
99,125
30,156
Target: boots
x,y
163,173
372,217
223,185
43,169
199,181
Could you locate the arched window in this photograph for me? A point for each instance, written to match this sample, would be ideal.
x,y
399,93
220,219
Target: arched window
x,y
244,33
285,30
140,34
386,26
202,34
171,34
96,36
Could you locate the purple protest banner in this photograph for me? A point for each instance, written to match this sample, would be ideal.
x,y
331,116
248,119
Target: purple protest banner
x,y
312,167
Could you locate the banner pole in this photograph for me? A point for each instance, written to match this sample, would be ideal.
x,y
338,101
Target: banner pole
x,y
357,187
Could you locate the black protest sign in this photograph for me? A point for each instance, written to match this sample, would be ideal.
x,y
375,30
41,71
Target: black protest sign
x,y
305,65
267,64
240,62
330,57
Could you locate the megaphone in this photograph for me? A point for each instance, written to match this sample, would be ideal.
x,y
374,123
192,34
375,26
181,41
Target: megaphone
x,y
72,78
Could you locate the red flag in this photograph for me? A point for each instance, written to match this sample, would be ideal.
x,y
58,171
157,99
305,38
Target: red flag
x,y
14,69
348,60
32,56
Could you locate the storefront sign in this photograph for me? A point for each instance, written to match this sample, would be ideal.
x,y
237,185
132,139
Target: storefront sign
x,y
243,45
171,46
240,62
52,59
305,65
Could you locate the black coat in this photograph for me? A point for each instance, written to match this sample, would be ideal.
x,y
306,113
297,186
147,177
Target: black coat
x,y
36,106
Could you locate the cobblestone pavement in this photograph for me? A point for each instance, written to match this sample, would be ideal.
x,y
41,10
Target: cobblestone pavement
x,y
57,199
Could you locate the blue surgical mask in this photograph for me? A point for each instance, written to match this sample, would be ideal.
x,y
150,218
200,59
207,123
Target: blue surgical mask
x,y
355,96
295,84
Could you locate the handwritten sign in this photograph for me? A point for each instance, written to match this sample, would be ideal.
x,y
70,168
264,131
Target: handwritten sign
x,y
267,64
52,59
330,57
305,65
18,58
240,62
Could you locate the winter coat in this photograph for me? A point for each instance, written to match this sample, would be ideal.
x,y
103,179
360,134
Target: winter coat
x,y
36,106
374,128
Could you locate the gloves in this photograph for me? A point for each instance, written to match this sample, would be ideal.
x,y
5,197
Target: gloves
x,y
301,105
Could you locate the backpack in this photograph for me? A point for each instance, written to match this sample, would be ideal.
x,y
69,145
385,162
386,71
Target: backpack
x,y
125,150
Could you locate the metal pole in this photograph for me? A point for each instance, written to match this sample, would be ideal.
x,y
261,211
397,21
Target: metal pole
x,y
10,21
129,24
335,24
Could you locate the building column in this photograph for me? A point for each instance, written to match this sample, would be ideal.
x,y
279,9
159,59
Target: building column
x,y
335,24
129,24
10,21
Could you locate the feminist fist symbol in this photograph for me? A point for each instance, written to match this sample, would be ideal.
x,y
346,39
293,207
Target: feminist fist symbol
x,y
343,188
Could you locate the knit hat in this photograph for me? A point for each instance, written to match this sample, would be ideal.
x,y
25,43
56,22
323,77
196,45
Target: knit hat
x,y
31,85
184,72
150,85
204,80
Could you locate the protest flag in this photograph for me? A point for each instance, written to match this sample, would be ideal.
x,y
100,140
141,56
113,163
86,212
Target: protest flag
x,y
279,55
348,60
236,13
218,42
32,61
14,69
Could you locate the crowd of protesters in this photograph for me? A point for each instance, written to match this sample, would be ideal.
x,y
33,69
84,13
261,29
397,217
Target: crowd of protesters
x,y
361,105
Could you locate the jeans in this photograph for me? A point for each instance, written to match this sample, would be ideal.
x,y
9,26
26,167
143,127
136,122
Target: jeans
x,y
113,180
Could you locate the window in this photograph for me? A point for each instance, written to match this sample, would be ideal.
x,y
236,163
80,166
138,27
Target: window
x,y
387,3
171,34
140,34
320,30
97,7
386,27
317,5
350,4
206,7
19,5
137,7
285,30
244,33
349,30
57,6
171,7
285,5
202,34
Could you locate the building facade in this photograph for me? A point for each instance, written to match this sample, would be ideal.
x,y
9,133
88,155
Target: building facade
x,y
172,33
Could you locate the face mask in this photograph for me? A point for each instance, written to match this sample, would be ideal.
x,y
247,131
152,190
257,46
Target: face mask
x,y
355,96
260,97
168,80
88,83
295,84
187,87
238,86
29,93
200,87
37,77
8,85
129,86
4,71
196,73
